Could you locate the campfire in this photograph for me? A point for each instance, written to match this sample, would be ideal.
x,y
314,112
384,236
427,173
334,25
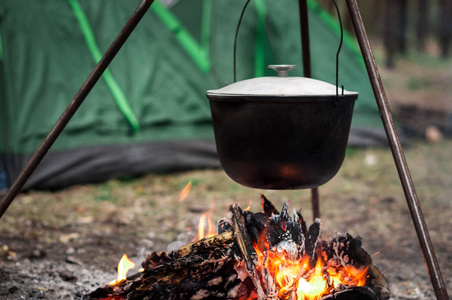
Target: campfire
x,y
265,255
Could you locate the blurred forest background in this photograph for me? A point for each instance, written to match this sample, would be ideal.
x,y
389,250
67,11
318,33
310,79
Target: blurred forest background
x,y
411,40
403,25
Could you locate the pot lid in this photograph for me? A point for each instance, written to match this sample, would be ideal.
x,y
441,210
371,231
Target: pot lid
x,y
280,86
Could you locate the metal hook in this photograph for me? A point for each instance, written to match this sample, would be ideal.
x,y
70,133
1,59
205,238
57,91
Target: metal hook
x,y
338,50
235,38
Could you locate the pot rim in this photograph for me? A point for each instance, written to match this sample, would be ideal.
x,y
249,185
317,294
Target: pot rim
x,y
282,87
281,99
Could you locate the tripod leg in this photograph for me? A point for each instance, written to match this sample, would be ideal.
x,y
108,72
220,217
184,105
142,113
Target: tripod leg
x,y
398,154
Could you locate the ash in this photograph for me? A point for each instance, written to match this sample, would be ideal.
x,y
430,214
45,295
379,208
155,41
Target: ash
x,y
44,279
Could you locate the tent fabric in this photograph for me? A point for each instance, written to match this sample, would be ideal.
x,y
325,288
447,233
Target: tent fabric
x,y
49,61
115,89
63,168
174,55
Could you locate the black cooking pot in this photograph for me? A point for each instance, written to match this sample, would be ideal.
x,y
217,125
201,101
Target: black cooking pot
x,y
281,132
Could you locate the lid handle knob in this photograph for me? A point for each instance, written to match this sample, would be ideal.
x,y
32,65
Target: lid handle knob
x,y
282,70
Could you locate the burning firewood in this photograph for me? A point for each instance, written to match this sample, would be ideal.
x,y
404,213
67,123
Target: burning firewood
x,y
265,255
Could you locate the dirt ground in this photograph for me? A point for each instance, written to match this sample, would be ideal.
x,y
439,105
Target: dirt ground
x,y
64,244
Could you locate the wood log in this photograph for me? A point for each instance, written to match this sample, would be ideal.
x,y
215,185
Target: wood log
x,y
207,269
246,249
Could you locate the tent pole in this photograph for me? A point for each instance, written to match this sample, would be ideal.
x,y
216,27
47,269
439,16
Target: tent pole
x,y
306,56
73,106
398,154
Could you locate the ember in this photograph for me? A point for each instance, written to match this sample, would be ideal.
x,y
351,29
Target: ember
x,y
266,255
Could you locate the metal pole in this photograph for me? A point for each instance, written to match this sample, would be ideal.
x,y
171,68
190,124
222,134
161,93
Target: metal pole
x,y
397,152
74,105
315,203
306,56
305,45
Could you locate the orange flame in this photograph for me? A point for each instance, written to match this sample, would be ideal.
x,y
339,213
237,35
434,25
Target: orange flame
x,y
309,283
185,191
125,264
206,221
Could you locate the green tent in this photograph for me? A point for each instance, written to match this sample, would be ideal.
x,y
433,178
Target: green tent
x,y
148,113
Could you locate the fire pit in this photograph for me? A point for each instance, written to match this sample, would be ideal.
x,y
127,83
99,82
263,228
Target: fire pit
x,y
264,255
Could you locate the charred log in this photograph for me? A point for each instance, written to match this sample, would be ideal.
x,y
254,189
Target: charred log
x,y
245,245
207,269
268,207
355,293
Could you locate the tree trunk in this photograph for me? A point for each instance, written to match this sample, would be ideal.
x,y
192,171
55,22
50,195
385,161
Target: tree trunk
x,y
445,27
402,25
422,25
389,37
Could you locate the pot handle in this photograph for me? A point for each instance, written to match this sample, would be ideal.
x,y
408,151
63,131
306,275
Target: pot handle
x,y
282,70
